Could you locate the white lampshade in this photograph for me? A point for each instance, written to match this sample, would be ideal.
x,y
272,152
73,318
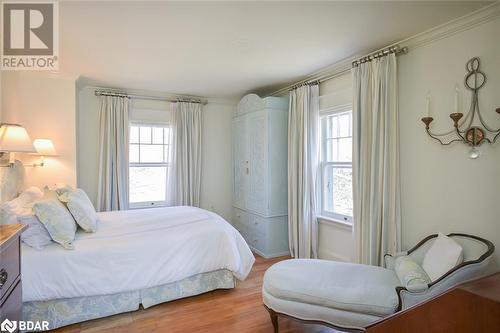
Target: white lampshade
x,y
44,147
14,138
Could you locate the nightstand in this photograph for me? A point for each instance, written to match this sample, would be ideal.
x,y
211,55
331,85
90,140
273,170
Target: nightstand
x,y
10,272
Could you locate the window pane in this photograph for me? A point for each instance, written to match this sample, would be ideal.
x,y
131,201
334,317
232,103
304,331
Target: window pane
x,y
338,190
344,125
151,153
158,135
332,150
147,184
134,134
145,134
333,127
133,153
345,150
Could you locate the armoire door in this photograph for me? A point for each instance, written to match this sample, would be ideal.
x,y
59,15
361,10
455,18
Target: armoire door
x,y
240,168
256,199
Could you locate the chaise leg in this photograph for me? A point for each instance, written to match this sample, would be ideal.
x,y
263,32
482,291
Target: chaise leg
x,y
274,319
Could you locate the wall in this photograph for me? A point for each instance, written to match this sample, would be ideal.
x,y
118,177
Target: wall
x,y
217,180
216,146
442,189
44,104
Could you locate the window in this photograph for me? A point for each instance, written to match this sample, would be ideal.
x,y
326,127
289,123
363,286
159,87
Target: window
x,y
336,165
149,164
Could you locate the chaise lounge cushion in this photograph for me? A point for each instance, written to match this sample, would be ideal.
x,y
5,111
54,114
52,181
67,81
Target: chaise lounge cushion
x,y
343,286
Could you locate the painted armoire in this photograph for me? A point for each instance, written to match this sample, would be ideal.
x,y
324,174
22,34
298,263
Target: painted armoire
x,y
260,127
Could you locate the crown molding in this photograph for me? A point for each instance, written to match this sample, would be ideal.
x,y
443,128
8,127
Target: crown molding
x,y
463,23
450,28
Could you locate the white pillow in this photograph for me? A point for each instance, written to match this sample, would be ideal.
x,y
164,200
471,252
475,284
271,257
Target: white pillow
x,y
36,235
30,195
81,208
21,205
442,256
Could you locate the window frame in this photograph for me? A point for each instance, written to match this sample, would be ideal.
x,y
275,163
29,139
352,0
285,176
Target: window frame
x,y
167,165
324,165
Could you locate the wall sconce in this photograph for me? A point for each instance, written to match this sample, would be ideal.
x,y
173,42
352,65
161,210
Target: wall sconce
x,y
467,130
14,139
44,147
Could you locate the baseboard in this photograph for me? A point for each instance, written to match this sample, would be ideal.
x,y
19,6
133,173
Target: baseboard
x,y
329,255
270,255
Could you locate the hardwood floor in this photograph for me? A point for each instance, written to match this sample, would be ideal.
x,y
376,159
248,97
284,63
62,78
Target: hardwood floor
x,y
237,310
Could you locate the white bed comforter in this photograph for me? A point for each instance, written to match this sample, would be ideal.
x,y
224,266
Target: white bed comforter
x,y
133,250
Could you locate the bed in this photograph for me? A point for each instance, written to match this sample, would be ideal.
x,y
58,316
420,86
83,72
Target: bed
x,y
146,256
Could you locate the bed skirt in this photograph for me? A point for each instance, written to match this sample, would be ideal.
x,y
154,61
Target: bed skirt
x,y
62,312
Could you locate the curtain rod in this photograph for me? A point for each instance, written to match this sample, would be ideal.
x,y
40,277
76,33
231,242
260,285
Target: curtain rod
x,y
382,53
377,54
308,83
154,98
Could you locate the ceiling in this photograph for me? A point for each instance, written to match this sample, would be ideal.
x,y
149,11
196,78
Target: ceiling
x,y
226,49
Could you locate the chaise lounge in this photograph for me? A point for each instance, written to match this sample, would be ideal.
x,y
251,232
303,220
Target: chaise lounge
x,y
349,296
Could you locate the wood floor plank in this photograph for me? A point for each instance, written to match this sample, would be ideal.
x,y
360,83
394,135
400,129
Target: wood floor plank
x,y
237,310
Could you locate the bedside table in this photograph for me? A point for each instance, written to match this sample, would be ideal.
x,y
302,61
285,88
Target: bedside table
x,y
10,272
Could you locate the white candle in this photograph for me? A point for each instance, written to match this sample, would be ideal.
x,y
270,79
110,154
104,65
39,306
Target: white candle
x,y
456,98
428,104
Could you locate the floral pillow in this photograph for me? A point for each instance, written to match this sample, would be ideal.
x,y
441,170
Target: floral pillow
x,y
81,208
57,220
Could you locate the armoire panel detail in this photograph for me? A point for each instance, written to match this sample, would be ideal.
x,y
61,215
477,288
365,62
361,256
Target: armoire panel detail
x,y
260,173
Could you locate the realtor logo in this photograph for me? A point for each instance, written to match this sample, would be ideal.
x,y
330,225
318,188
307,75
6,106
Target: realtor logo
x,y
30,36
8,326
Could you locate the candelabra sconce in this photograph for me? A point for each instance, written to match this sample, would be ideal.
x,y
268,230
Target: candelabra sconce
x,y
468,130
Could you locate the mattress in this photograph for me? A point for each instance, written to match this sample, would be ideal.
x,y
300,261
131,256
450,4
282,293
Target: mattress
x,y
135,250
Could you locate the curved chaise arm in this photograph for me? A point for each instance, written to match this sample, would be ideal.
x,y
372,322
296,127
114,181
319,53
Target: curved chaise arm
x,y
467,270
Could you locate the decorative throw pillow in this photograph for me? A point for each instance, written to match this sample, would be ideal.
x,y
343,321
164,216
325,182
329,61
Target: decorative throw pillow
x,y
57,220
36,235
49,193
81,208
61,188
442,256
411,275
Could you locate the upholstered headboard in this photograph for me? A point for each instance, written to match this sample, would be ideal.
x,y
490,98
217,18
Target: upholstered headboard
x,y
11,181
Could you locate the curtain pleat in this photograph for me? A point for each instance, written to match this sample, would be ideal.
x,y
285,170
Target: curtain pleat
x,y
376,178
303,161
188,127
113,169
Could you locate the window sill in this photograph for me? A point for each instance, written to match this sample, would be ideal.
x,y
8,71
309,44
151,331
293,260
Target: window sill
x,y
146,207
329,220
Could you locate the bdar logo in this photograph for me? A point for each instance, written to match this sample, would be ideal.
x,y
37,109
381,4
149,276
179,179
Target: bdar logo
x,y
8,326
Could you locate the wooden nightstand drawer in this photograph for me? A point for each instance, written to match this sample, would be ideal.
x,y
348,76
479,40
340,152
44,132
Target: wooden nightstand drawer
x,y
11,308
9,266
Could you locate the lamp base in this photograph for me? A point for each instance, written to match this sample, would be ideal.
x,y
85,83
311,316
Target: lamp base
x,y
12,158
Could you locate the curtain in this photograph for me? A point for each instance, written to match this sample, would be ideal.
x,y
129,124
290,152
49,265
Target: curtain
x,y
112,191
303,162
188,123
376,179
